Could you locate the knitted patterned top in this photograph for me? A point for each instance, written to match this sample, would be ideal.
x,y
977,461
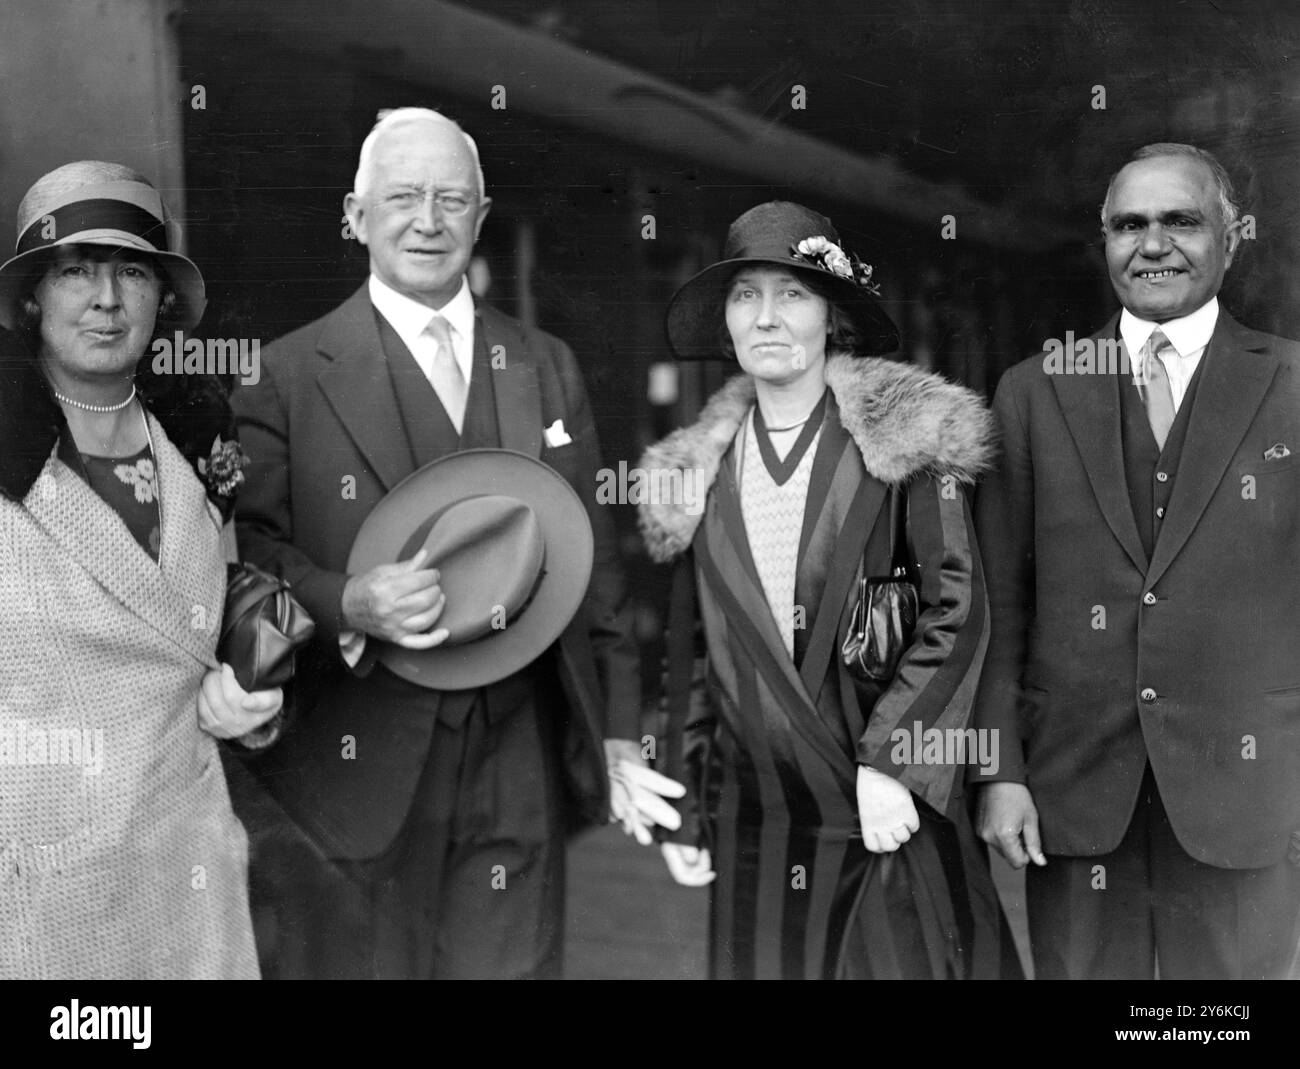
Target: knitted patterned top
x,y
772,505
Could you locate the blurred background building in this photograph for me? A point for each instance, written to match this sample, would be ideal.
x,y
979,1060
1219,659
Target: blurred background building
x,y
960,148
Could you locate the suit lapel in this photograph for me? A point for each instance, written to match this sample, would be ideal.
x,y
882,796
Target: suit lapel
x,y
360,390
514,381
1236,375
1091,407
88,530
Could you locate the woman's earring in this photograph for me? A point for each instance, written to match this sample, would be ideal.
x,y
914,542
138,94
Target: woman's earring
x,y
30,308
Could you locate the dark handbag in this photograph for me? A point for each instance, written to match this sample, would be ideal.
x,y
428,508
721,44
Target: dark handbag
x,y
263,625
884,618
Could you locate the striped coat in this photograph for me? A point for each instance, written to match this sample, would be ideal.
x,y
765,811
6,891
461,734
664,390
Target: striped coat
x,y
120,857
770,751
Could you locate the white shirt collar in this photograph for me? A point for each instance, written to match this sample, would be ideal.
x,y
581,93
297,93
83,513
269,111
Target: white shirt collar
x,y
409,317
1188,334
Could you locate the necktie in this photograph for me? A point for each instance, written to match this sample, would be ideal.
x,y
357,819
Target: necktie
x,y
1157,395
448,380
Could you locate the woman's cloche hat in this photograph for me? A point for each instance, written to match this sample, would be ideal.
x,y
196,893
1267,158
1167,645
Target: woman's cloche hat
x,y
91,202
788,235
514,548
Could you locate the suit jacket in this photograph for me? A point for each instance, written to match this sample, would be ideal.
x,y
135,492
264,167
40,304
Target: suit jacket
x,y
1084,623
120,857
325,433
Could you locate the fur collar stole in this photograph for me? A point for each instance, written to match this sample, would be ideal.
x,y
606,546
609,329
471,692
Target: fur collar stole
x,y
905,421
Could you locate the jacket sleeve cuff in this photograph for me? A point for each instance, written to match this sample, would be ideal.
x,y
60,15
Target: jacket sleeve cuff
x,y
322,593
262,737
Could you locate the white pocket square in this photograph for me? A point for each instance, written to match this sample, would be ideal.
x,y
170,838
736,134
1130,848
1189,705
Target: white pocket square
x,y
556,434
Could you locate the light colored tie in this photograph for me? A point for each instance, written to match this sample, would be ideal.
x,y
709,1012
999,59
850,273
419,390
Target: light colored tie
x,y
1156,393
448,380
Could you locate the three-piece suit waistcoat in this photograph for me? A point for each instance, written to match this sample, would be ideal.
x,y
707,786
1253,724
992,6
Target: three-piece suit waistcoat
x,y
432,435
1145,462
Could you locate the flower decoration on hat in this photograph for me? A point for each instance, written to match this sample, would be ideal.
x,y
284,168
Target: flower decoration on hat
x,y
825,255
222,471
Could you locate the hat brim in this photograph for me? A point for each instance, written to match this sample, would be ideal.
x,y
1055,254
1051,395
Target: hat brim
x,y
184,275
570,548
695,312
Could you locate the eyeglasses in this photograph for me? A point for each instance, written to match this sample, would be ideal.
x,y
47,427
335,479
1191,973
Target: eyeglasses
x,y
408,201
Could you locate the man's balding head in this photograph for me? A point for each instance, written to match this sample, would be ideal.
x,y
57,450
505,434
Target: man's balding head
x,y
1226,194
1171,227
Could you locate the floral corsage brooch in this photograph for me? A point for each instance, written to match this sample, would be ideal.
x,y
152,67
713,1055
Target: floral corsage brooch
x,y
222,473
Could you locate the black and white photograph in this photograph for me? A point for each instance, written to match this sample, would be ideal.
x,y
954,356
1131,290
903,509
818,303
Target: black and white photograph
x,y
649,490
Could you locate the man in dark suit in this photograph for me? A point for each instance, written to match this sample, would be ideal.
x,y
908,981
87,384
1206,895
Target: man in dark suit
x,y
1141,540
441,816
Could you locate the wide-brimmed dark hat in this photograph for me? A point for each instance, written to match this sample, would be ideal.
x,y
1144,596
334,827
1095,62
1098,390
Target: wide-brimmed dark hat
x,y
788,235
91,202
514,547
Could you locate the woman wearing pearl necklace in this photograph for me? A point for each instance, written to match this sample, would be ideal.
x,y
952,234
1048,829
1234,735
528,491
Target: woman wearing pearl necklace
x,y
121,853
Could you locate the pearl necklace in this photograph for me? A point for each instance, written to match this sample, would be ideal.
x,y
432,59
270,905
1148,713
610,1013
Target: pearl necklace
x,y
96,408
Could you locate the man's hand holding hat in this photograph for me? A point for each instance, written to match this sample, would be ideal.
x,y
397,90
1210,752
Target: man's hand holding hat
x,y
513,550
398,603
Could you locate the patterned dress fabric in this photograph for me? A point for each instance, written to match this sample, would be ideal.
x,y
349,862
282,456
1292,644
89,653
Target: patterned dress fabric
x,y
129,485
120,857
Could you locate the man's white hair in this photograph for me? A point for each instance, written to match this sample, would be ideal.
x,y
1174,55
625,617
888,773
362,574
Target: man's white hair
x,y
391,117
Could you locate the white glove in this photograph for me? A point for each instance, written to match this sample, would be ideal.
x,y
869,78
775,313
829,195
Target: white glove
x,y
637,798
691,866
886,810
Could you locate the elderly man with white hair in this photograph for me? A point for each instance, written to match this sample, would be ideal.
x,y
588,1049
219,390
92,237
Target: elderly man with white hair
x,y
440,814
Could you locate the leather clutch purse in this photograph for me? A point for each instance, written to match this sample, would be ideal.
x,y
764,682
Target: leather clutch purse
x,y
264,624
884,617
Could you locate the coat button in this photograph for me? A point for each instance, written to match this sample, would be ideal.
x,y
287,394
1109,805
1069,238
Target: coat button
x,y
1160,512
1162,477
1149,598
1148,695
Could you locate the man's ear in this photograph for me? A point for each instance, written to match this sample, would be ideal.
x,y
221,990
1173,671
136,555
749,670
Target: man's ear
x,y
356,214
1231,239
485,206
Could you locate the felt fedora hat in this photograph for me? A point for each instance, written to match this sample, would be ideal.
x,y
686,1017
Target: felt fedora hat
x,y
783,234
91,202
514,547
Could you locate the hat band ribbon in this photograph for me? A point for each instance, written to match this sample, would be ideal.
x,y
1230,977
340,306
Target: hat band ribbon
x,y
83,215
